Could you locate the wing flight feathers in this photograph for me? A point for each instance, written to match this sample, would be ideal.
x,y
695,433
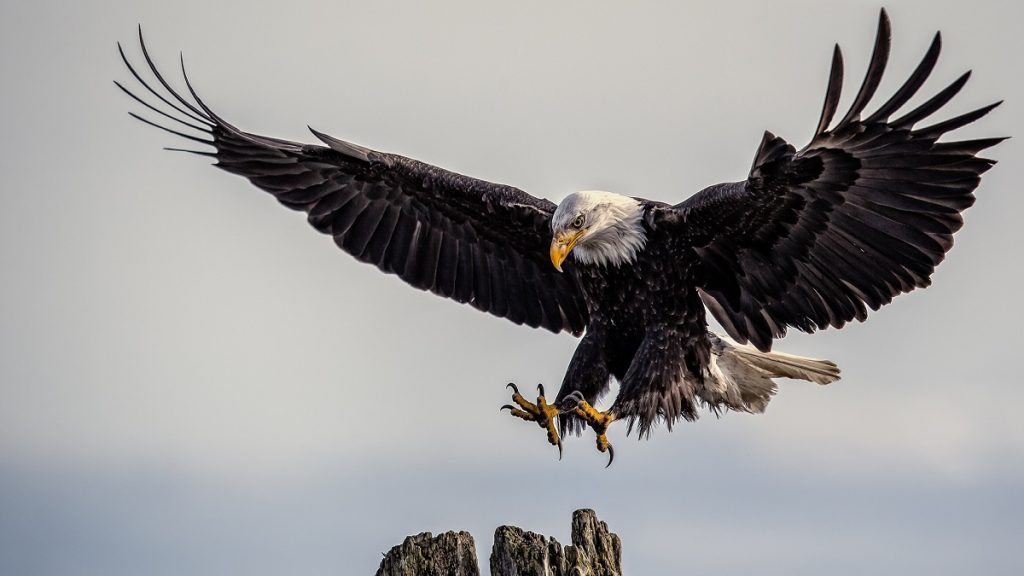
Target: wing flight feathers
x,y
864,212
469,240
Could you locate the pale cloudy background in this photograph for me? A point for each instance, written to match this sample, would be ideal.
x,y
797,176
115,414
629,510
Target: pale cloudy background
x,y
192,381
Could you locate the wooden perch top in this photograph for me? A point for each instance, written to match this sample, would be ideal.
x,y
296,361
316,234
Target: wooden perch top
x,y
594,552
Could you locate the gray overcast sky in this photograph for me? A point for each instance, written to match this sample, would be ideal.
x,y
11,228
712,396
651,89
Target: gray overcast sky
x,y
192,381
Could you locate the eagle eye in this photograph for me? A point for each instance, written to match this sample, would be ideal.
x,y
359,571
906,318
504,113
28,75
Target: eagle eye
x,y
578,222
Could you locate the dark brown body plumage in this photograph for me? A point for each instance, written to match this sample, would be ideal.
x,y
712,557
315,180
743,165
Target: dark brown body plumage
x,y
647,329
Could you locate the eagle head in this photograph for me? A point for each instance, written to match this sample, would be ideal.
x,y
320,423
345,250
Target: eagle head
x,y
598,228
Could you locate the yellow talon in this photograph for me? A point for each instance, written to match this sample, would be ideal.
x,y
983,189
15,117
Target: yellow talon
x,y
599,421
542,413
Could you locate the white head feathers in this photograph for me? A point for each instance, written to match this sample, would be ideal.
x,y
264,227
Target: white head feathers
x,y
612,232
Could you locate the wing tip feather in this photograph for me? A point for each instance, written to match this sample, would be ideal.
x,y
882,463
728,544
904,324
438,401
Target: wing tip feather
x,y
342,147
876,69
833,91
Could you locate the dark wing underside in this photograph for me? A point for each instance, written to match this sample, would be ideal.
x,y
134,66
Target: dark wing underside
x,y
462,238
864,212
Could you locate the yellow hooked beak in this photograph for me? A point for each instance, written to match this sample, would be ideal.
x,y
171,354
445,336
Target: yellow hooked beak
x,y
562,244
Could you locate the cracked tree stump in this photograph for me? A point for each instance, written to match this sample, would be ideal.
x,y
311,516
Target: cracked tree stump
x,y
594,552
449,554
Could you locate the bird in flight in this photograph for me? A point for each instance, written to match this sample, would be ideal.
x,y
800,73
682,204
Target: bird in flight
x,y
811,238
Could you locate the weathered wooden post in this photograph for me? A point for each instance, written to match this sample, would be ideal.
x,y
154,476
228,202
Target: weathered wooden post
x,y
594,552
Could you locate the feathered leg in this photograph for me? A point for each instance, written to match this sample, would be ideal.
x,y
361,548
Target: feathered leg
x,y
585,380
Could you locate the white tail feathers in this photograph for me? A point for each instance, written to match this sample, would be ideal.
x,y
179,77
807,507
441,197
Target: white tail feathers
x,y
741,376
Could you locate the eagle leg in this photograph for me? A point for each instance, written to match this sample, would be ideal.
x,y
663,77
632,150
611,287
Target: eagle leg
x,y
598,421
542,413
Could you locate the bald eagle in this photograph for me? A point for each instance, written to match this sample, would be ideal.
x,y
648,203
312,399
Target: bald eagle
x,y
811,238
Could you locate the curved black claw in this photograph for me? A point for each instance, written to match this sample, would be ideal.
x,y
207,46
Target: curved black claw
x,y
540,389
507,407
560,450
515,390
611,456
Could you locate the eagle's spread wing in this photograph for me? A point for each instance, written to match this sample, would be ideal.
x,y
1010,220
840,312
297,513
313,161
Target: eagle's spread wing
x,y
462,238
864,212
